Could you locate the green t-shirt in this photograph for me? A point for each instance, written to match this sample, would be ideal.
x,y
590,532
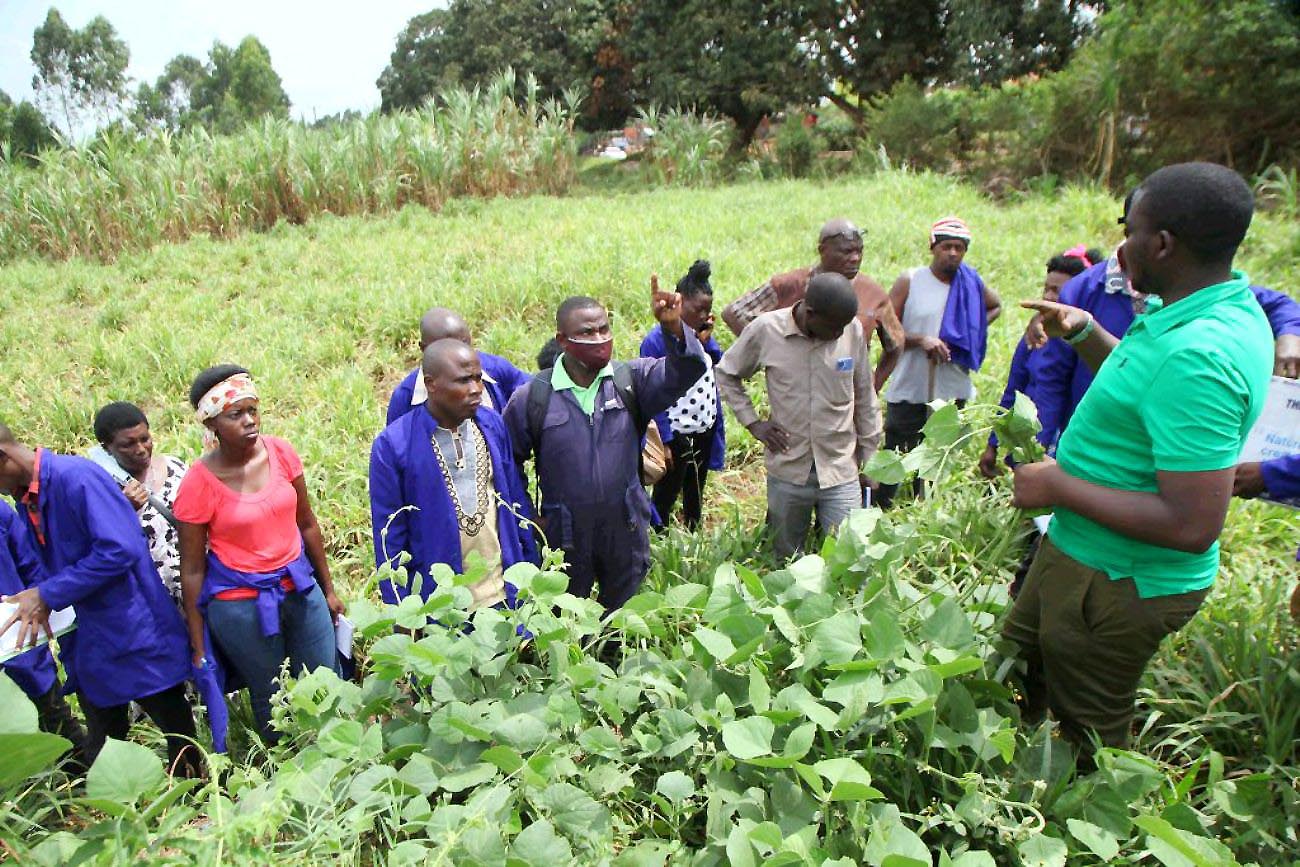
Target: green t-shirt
x,y
1178,394
586,397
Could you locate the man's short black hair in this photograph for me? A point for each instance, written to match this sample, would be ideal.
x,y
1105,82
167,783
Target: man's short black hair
x,y
117,416
572,305
696,281
204,381
1207,207
832,296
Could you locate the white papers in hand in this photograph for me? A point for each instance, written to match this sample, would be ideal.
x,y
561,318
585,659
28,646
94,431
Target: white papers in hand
x,y
343,632
61,621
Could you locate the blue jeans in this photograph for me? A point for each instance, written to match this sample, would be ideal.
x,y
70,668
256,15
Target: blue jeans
x,y
306,639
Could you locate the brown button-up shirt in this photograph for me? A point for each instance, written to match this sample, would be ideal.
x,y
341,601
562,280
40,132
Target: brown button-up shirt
x,y
819,391
874,310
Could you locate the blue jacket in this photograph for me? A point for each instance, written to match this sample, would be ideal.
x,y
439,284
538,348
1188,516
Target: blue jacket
x,y
404,473
130,641
506,378
1282,477
588,465
20,568
653,347
1062,378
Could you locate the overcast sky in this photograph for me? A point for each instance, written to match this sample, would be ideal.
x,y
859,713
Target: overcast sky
x,y
328,53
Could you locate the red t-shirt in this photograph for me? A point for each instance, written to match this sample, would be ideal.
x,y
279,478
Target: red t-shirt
x,y
255,532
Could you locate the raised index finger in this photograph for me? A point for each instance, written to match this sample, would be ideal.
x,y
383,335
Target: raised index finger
x,y
1039,305
654,284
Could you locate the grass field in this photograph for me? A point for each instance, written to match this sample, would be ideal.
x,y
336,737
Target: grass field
x,y
325,317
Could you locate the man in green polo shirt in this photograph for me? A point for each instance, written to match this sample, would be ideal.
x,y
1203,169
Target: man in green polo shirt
x,y
1144,472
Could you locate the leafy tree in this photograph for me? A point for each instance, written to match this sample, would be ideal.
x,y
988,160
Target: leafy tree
x,y
24,131
234,87
417,65
742,59
78,72
471,41
865,47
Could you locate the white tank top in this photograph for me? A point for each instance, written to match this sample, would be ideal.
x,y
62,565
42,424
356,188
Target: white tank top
x,y
923,314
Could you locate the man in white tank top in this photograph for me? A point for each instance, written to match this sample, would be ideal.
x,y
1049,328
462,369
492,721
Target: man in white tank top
x,y
928,370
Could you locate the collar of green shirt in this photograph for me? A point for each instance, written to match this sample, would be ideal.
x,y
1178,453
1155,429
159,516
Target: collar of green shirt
x,y
586,397
1159,319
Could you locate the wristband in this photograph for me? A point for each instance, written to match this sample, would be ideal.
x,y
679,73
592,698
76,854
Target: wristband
x,y
1082,334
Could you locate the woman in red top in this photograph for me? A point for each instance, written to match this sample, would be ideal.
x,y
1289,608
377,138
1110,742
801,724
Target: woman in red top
x,y
253,569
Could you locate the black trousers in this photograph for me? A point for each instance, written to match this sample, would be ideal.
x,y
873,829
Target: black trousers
x,y
169,710
689,471
903,425
55,717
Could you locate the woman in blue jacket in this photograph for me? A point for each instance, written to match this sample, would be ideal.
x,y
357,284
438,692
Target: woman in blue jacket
x,y
692,428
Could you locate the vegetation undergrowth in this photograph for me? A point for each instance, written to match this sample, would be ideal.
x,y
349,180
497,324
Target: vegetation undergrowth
x,y
127,192
854,707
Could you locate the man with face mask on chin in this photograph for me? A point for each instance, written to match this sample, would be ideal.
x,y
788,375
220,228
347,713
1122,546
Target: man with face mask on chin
x,y
583,426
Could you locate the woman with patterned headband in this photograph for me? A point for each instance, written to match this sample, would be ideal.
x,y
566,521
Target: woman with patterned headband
x,y
254,575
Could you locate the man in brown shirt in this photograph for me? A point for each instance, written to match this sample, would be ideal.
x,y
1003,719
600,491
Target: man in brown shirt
x,y
839,251
825,417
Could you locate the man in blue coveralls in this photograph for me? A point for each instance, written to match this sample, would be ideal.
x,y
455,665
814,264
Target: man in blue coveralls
x,y
583,425
130,643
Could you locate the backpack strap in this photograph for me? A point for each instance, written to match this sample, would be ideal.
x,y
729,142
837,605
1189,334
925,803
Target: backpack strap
x,y
539,397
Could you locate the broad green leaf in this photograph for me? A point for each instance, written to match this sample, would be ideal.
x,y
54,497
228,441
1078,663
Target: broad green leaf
x,y
506,759
419,773
1041,850
539,846
675,786
971,859
799,741
125,772
760,694
574,811
740,852
855,690
525,732
748,738
948,626
944,426
1101,842
22,755
719,646
889,839
848,780
1175,847
17,713
475,775
648,853
347,738
838,639
886,467
601,741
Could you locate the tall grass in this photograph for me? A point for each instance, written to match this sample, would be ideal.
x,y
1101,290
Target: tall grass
x,y
124,192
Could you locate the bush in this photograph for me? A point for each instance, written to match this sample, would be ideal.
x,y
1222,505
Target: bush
x,y
122,192
687,148
797,147
913,127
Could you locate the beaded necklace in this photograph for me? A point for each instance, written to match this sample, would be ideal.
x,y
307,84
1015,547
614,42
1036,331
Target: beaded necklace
x,y
470,525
